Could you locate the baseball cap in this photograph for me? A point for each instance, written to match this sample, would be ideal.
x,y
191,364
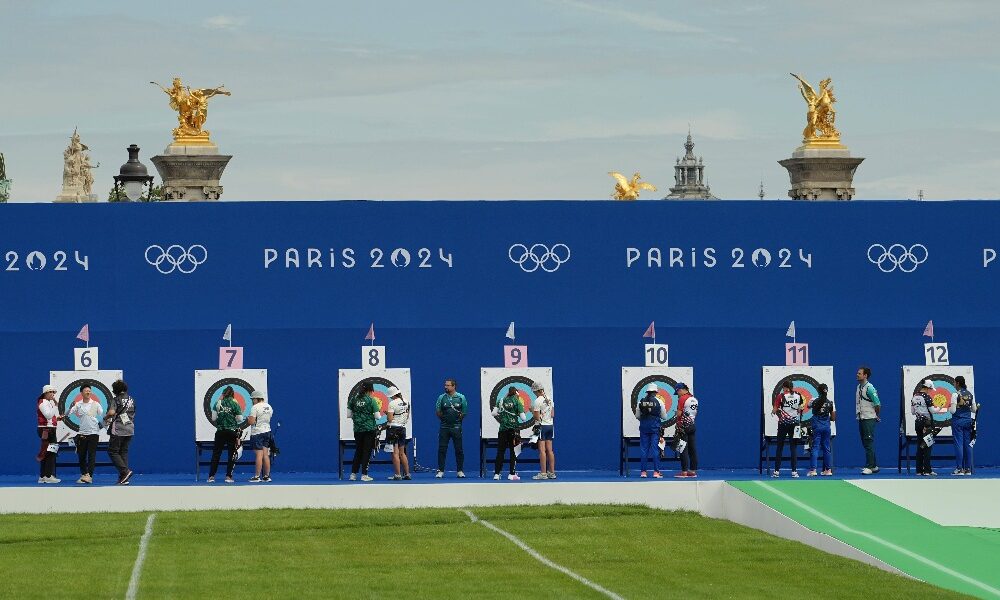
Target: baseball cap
x,y
680,385
393,391
928,384
652,388
257,394
49,388
536,386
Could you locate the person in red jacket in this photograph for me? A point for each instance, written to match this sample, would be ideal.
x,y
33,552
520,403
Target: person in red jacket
x,y
48,417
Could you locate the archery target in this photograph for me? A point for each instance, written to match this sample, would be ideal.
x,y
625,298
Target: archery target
x,y
805,381
381,380
494,386
208,388
944,393
634,381
68,384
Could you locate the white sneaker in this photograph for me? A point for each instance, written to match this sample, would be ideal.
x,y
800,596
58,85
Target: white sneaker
x,y
866,471
440,474
230,480
210,479
795,473
513,477
461,474
53,479
43,480
541,476
496,477
367,478
81,480
354,476
775,474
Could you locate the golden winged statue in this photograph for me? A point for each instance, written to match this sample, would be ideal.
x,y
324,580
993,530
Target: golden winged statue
x,y
629,190
192,111
820,114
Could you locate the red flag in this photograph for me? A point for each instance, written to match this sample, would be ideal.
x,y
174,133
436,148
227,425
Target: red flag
x,y
84,334
371,333
651,330
929,330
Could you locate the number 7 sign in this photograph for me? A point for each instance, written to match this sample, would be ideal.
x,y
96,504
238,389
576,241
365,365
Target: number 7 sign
x,y
231,357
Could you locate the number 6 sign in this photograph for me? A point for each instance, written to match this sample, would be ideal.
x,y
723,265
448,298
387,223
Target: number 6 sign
x,y
515,357
85,359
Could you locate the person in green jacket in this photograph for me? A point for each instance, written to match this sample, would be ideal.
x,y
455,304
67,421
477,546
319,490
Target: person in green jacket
x,y
451,407
507,411
227,415
362,409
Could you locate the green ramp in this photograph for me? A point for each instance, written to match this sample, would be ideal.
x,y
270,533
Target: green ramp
x,y
964,559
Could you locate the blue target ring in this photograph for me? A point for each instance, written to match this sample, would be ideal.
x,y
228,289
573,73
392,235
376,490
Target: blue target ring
x,y
71,394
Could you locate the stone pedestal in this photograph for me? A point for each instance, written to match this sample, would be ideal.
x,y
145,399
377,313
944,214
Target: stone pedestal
x,y
191,172
75,194
824,173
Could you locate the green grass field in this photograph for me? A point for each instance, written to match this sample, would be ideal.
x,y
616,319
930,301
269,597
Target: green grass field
x,y
635,552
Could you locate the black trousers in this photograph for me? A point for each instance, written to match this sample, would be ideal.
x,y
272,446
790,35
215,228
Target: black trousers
x,y
86,451
224,439
365,443
923,427
506,439
454,434
47,468
786,430
689,458
118,452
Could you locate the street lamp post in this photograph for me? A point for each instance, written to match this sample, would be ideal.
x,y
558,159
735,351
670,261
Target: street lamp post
x,y
133,177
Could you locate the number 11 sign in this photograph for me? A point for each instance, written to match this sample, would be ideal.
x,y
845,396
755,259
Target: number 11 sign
x,y
796,355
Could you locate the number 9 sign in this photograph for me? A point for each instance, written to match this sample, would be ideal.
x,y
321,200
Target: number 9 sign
x,y
515,357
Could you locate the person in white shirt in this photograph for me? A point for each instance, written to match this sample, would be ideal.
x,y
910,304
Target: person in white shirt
x,y
260,436
399,415
545,411
90,415
48,419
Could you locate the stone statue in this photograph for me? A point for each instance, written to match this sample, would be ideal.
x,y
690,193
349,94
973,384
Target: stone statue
x,y
78,179
192,111
3,168
820,114
4,182
629,190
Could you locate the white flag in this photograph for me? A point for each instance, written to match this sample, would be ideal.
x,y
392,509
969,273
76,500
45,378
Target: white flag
x,y
791,330
228,336
510,330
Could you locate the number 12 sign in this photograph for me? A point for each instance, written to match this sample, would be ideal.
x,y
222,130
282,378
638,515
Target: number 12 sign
x,y
796,355
230,357
515,357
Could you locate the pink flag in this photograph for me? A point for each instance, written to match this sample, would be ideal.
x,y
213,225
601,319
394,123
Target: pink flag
x,y
929,330
84,334
371,333
651,330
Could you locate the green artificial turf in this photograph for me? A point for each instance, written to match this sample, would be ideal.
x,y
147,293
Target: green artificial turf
x,y
405,554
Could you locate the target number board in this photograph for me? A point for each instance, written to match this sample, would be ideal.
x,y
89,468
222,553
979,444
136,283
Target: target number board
x,y
372,358
796,355
85,359
515,357
230,357
936,354
657,355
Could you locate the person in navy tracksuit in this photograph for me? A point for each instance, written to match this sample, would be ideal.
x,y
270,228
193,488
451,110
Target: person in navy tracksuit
x,y
823,412
649,410
963,409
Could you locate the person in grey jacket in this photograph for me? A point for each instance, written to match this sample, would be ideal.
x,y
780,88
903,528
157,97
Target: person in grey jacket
x,y
121,429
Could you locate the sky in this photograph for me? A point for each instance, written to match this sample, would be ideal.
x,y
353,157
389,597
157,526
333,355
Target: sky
x,y
505,100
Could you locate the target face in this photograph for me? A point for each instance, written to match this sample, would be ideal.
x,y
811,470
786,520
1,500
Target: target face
x,y
667,395
634,382
803,385
522,387
72,394
494,384
68,385
350,384
805,381
944,393
241,393
208,388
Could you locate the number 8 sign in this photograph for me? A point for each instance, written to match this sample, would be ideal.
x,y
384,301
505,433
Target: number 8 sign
x,y
372,357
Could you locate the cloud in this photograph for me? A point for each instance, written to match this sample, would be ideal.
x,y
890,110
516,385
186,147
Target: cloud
x,y
223,23
643,21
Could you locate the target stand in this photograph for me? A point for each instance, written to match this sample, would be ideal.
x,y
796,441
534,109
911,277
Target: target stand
x,y
944,393
494,385
805,382
634,382
68,387
208,388
350,381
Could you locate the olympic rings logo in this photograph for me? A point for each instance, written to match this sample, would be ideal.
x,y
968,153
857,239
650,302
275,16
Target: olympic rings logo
x,y
539,256
176,258
897,256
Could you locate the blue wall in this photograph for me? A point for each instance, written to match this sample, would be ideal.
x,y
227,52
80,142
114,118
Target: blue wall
x,y
585,319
